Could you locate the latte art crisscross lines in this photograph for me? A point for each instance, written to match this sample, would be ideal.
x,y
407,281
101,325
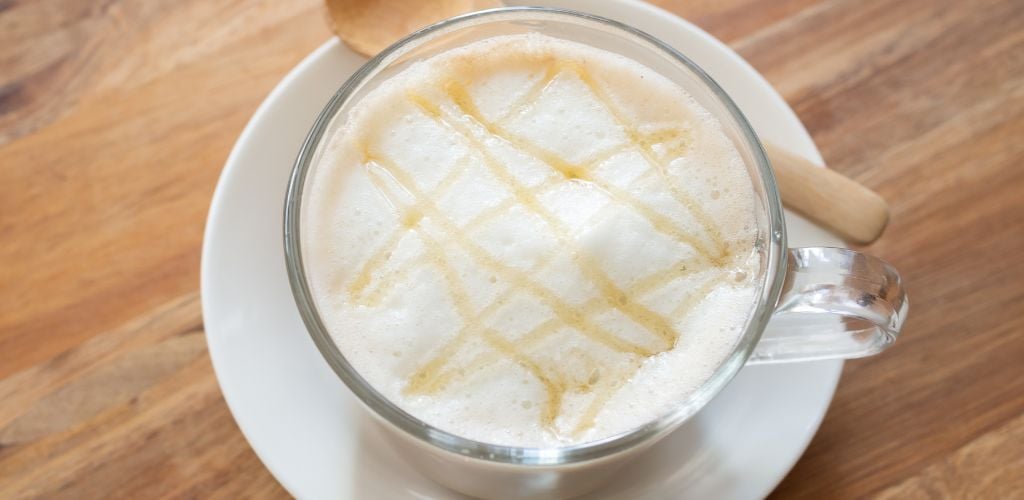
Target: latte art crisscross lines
x,y
363,278
637,312
439,372
520,280
639,141
435,375
472,322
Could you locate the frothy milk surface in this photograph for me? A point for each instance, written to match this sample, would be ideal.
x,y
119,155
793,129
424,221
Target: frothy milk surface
x,y
532,242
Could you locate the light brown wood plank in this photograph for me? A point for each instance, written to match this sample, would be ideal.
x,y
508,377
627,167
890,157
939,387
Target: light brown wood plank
x,y
970,469
134,412
109,223
116,117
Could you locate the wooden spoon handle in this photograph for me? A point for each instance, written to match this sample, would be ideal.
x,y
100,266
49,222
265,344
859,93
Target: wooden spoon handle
x,y
838,203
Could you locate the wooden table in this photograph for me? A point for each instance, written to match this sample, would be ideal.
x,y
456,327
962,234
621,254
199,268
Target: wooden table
x,y
116,117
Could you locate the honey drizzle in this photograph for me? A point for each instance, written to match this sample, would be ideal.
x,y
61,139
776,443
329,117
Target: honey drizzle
x,y
550,73
540,332
601,398
517,277
433,375
658,280
365,274
647,151
425,380
650,320
472,322
555,387
363,277
396,277
525,342
445,378
701,292
387,282
661,223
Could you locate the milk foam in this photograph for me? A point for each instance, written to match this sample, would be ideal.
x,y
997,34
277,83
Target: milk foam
x,y
532,242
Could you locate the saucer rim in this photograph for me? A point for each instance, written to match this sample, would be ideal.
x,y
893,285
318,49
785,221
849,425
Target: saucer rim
x,y
232,164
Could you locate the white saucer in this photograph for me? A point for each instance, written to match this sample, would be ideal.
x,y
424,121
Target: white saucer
x,y
311,432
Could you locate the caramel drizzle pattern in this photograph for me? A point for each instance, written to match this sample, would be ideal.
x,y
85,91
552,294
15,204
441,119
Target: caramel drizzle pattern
x,y
435,374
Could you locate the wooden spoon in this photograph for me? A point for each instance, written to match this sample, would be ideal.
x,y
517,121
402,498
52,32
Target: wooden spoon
x,y
370,26
834,201
838,203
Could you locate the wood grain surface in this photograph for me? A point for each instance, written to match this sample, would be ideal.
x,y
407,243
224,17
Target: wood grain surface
x,y
116,117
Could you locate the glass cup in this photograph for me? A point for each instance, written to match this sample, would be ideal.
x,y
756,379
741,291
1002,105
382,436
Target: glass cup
x,y
813,303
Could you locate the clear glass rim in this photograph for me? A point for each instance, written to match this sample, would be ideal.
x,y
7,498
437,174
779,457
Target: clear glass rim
x,y
770,286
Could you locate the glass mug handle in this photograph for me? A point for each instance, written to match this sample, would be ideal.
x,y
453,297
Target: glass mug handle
x,y
835,303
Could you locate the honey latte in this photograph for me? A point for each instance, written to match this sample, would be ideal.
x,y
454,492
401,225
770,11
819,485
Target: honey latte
x,y
528,241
